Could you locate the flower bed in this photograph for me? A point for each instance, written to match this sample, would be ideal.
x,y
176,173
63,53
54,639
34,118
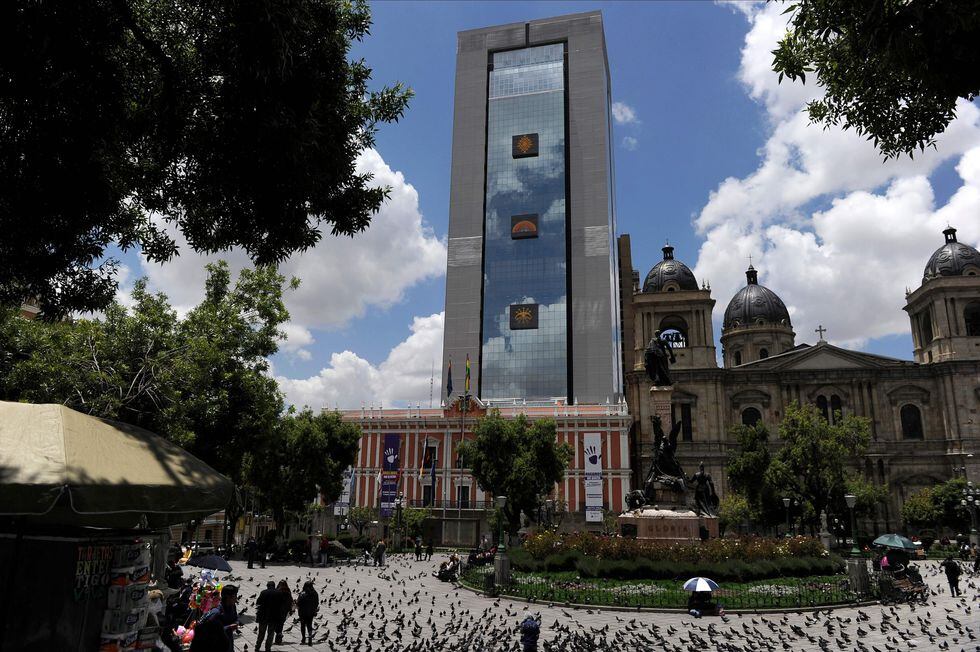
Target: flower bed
x,y
543,544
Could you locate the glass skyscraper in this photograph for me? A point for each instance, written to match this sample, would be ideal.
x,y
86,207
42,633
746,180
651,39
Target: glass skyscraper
x,y
531,292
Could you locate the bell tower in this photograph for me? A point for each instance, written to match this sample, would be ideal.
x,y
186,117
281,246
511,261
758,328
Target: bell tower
x,y
671,302
945,309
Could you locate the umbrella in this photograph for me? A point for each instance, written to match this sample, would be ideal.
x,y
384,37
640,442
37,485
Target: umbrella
x,y
700,584
896,541
214,562
61,467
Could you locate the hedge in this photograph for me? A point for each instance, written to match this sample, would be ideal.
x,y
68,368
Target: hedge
x,y
733,570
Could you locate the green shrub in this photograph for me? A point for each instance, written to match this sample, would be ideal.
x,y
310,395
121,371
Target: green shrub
x,y
561,561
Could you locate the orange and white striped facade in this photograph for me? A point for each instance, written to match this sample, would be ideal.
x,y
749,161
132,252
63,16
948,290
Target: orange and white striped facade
x,y
444,428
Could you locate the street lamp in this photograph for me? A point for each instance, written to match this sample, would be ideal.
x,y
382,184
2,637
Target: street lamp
x,y
786,502
851,500
971,501
501,503
398,519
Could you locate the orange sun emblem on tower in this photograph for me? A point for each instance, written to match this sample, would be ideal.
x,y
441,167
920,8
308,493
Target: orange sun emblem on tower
x,y
523,316
524,144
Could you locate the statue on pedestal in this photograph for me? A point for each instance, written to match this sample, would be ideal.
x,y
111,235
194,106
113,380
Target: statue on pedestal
x,y
657,359
665,469
705,498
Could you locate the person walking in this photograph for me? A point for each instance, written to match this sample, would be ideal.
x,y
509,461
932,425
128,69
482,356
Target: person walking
x,y
428,551
418,550
952,575
250,549
307,605
379,553
285,608
266,614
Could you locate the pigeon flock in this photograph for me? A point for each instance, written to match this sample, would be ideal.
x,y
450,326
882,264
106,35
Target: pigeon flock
x,y
402,608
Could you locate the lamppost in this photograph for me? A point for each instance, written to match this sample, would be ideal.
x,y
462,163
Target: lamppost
x,y
398,520
971,500
851,500
501,563
786,502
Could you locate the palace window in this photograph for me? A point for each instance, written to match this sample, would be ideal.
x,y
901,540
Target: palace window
x,y
763,354
823,407
738,358
751,416
911,422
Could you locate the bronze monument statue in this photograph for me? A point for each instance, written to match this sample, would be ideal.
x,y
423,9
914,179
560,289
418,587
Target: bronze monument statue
x,y
657,359
705,498
664,470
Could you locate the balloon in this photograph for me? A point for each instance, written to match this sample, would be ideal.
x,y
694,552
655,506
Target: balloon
x,y
188,636
180,630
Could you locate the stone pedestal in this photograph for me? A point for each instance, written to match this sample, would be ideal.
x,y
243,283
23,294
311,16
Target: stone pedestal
x,y
660,402
672,524
501,568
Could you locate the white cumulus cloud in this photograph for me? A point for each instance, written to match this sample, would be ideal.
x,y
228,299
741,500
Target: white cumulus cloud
x,y
630,143
837,232
623,113
350,381
341,277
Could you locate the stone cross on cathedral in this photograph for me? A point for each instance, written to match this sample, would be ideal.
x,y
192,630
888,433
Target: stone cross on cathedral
x,y
820,330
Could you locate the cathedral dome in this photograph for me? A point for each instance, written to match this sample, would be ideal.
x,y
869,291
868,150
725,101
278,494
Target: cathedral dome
x,y
755,305
670,275
952,259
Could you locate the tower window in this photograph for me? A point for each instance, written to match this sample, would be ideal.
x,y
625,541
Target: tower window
x,y
737,358
751,416
911,422
763,354
926,328
971,314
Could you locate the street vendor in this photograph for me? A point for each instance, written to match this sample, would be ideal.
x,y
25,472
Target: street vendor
x,y
215,631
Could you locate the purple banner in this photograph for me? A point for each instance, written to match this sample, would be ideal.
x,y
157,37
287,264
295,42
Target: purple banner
x,y
390,466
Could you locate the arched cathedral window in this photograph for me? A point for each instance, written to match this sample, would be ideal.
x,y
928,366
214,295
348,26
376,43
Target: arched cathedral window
x,y
911,422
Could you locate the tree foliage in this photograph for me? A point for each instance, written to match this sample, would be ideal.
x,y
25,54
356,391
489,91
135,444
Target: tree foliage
x,y
815,461
123,121
361,517
303,457
938,506
746,470
201,381
890,70
518,458
733,510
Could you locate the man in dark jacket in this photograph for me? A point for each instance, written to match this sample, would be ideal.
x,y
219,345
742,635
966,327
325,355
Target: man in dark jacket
x,y
251,549
306,606
530,630
952,575
266,613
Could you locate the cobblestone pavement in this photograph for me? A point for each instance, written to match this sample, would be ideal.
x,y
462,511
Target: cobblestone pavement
x,y
403,607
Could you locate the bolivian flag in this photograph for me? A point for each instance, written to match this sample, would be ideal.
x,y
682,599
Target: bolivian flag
x,y
466,382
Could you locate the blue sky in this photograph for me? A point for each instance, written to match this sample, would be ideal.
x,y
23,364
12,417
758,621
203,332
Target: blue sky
x,y
717,157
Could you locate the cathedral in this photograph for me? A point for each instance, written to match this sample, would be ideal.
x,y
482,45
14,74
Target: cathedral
x,y
923,412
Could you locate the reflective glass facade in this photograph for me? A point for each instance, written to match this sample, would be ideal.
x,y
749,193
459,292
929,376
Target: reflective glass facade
x,y
526,97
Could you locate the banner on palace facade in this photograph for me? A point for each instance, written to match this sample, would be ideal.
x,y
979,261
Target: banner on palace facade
x,y
593,477
390,464
342,506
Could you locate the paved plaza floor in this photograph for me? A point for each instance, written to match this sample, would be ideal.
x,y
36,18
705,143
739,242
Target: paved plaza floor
x,y
403,607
